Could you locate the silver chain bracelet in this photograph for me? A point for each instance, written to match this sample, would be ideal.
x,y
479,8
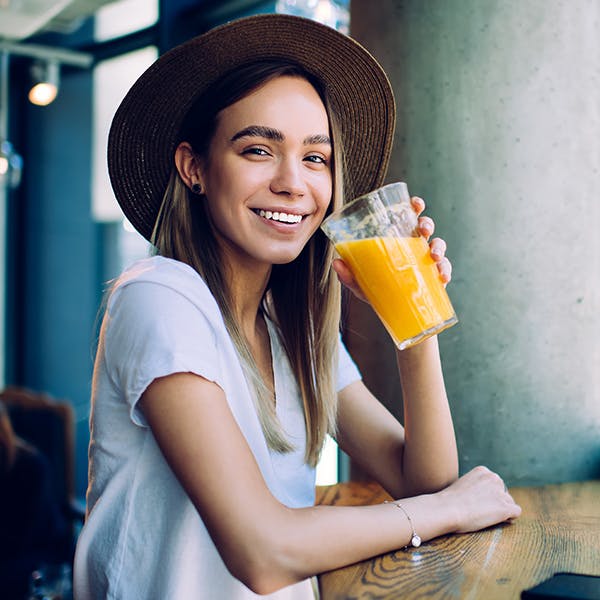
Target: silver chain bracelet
x,y
415,540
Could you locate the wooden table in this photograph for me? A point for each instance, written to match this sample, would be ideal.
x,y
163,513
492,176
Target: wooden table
x,y
559,530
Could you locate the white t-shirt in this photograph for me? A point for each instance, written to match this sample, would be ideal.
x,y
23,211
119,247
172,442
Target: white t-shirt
x,y
143,538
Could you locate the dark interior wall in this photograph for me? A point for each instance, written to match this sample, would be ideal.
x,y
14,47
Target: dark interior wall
x,y
59,261
55,251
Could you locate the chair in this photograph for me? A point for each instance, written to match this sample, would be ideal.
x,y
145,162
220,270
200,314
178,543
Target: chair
x,y
48,425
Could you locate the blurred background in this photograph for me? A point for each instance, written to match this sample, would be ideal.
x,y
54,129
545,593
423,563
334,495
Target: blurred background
x,y
498,130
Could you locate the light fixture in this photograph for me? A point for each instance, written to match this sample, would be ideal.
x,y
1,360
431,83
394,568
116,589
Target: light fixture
x,y
45,68
45,76
11,165
47,61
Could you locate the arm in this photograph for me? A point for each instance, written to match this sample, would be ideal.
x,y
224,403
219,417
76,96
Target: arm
x,y
420,458
264,543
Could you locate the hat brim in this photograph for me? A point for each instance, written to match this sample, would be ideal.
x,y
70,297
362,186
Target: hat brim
x,y
144,131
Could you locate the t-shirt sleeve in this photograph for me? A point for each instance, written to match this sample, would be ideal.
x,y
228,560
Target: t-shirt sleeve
x,y
150,330
347,370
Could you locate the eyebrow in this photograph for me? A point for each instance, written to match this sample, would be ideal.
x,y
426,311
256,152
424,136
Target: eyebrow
x,y
276,135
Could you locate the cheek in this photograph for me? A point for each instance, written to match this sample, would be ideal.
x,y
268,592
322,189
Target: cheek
x,y
326,198
321,185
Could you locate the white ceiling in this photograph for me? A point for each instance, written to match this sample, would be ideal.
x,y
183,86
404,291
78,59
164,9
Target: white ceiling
x,y
19,19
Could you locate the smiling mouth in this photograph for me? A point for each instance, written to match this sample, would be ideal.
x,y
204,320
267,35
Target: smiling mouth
x,y
281,217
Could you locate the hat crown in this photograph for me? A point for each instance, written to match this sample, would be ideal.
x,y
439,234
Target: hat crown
x,y
144,131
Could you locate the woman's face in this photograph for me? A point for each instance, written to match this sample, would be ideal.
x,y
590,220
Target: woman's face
x,y
267,177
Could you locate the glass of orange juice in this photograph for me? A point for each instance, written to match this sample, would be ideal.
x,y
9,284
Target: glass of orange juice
x,y
377,237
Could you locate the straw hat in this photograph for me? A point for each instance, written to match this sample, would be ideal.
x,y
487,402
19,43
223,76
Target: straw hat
x,y
144,131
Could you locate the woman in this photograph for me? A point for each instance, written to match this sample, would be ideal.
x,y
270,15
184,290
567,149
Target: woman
x,y
220,369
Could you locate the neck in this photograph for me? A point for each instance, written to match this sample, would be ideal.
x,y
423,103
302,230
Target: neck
x,y
246,286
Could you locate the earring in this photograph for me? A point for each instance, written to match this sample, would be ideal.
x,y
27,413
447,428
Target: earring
x,y
196,188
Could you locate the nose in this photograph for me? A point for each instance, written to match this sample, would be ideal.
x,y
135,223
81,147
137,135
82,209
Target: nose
x,y
288,179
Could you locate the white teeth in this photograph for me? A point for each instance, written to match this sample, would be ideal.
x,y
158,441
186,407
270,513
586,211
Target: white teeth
x,y
280,216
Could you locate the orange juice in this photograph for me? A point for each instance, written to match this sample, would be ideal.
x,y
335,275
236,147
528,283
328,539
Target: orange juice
x,y
403,285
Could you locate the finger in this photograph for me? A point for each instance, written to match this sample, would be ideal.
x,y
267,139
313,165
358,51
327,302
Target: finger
x,y
418,204
426,226
445,270
437,248
343,272
346,278
516,509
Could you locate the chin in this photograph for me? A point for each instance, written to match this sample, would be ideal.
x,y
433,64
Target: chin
x,y
284,256
285,260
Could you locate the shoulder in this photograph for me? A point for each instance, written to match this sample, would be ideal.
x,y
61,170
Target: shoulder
x,y
158,283
160,319
160,305
161,271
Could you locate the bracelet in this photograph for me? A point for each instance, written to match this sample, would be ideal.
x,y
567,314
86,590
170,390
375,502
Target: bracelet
x,y
415,540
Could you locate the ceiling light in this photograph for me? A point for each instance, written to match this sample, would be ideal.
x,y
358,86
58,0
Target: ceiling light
x,y
11,165
45,76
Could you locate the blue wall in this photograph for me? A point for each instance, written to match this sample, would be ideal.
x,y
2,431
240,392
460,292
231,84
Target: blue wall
x,y
59,266
57,254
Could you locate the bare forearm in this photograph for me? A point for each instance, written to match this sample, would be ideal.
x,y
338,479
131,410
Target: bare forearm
x,y
321,538
429,457
298,543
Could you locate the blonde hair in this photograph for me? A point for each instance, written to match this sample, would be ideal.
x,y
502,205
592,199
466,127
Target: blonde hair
x,y
302,297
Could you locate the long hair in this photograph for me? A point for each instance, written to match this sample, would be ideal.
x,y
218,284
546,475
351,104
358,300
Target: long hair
x,y
302,297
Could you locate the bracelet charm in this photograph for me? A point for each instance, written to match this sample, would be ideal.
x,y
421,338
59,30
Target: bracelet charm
x,y
415,540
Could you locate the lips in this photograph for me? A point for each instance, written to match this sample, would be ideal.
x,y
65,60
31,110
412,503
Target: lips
x,y
281,217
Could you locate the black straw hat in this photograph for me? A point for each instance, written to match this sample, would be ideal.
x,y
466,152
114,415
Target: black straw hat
x,y
144,131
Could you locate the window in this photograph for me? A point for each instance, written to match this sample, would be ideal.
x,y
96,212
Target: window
x,y
335,13
123,17
112,80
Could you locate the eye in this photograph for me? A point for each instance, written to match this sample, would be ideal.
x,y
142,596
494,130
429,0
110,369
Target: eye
x,y
255,151
316,159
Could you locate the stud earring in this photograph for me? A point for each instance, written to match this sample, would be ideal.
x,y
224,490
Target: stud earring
x,y
196,188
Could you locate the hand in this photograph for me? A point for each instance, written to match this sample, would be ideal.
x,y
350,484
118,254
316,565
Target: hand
x,y
481,500
346,278
437,246
437,249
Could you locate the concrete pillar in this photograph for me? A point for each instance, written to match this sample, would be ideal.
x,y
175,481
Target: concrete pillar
x,y
499,131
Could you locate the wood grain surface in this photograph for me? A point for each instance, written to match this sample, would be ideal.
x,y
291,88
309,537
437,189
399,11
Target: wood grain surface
x,y
559,531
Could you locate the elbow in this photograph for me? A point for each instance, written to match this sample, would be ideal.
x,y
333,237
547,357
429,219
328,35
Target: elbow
x,y
440,481
262,569
257,579
443,483
260,583
431,483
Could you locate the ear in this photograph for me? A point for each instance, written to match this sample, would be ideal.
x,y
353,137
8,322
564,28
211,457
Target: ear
x,y
187,164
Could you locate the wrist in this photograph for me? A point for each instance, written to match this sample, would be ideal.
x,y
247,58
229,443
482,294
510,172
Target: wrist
x,y
430,515
415,538
423,347
450,509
